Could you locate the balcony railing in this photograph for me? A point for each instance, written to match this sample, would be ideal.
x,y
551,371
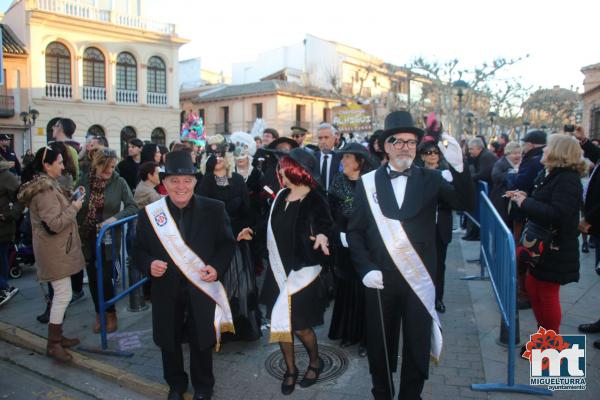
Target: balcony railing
x,y
157,99
59,91
7,106
94,94
127,96
86,11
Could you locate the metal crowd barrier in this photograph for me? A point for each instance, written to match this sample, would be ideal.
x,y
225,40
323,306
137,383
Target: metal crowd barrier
x,y
475,216
499,257
119,257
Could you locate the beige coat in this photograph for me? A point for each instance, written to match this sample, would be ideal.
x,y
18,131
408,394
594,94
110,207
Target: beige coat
x,y
56,242
145,194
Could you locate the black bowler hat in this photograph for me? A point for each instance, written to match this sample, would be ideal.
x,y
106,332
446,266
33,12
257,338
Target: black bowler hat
x,y
178,163
4,136
535,137
398,122
273,145
307,161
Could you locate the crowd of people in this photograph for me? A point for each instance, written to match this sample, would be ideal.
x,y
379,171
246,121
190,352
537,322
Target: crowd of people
x,y
273,220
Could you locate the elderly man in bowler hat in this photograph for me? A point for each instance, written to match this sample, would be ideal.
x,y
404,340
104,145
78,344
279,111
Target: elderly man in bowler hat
x,y
390,235
184,244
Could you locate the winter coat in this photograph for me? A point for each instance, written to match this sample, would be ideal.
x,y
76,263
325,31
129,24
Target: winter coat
x,y
9,212
116,193
529,169
128,169
591,207
555,203
500,175
56,242
145,194
484,163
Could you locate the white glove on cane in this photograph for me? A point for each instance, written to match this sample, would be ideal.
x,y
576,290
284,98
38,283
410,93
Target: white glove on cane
x,y
452,153
373,280
343,239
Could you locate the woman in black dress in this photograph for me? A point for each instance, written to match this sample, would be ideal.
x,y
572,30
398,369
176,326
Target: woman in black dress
x,y
221,183
298,245
348,318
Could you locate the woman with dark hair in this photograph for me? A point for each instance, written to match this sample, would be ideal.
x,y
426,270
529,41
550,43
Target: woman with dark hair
x,y
221,183
348,318
374,148
107,199
297,239
145,191
150,152
56,243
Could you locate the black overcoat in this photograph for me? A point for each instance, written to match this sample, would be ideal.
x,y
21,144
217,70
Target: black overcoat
x,y
210,237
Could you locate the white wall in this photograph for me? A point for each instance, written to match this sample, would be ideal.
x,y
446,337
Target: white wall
x,y
189,73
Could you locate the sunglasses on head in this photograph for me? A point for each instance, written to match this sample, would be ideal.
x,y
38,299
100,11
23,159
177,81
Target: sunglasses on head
x,y
46,148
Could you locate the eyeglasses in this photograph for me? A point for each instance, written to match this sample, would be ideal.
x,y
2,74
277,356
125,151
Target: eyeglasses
x,y
431,152
399,143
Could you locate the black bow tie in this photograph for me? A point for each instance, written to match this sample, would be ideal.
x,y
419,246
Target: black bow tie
x,y
394,174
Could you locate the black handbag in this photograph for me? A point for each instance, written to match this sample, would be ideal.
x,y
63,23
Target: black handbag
x,y
533,245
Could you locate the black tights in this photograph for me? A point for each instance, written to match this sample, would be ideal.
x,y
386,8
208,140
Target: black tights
x,y
309,340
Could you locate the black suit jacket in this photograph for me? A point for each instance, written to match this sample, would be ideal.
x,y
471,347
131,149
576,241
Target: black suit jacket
x,y
424,190
591,205
208,234
334,167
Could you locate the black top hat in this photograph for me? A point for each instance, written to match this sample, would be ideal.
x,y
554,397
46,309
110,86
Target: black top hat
x,y
178,163
307,161
398,122
273,145
535,137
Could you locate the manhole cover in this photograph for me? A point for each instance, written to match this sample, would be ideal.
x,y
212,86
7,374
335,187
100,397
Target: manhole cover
x,y
336,362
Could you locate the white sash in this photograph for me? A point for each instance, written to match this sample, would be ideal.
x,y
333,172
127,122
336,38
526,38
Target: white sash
x,y
189,264
406,260
281,316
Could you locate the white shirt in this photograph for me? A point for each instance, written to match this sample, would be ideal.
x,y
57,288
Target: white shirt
x,y
399,186
329,156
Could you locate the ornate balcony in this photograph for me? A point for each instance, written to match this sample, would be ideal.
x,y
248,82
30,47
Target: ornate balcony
x,y
94,94
156,99
59,91
7,106
127,96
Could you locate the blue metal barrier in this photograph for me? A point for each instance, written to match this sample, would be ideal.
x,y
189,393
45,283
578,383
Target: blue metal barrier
x,y
499,257
118,266
475,216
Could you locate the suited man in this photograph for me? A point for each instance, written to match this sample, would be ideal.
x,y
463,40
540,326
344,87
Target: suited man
x,y
329,162
205,228
412,200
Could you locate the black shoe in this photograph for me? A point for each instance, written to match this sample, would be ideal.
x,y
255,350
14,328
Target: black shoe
x,y
585,247
288,389
306,382
440,307
346,343
202,396
592,245
362,351
471,238
590,328
597,344
523,304
174,395
45,316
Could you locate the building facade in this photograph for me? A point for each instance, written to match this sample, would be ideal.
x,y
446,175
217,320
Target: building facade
x,y
104,66
591,100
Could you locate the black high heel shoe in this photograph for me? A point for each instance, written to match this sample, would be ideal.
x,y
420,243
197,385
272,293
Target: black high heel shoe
x,y
288,389
306,382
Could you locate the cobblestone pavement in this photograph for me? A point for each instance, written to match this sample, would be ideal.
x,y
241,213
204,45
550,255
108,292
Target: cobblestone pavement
x,y
470,327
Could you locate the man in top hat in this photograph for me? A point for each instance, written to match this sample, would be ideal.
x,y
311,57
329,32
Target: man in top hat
x,y
8,155
184,244
390,236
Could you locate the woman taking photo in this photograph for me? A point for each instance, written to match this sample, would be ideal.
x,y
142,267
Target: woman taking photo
x,y
56,242
554,206
348,318
297,240
105,193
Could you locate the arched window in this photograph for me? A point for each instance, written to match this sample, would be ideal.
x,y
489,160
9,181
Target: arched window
x,y
157,75
126,72
58,64
93,68
127,134
158,136
96,130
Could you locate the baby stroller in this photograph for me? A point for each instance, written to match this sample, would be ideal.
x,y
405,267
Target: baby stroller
x,y
21,252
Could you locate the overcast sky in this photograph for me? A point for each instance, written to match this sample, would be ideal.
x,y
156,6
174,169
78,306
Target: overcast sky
x,y
561,37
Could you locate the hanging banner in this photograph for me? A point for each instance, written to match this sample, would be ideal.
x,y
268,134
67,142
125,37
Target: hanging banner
x,y
353,118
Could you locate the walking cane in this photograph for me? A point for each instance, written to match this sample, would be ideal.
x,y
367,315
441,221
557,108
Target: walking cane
x,y
385,348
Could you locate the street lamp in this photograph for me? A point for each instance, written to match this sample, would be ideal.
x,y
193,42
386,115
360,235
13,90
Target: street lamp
x,y
491,116
28,118
470,117
460,85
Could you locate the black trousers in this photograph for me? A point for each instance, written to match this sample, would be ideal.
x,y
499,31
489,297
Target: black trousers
x,y
201,370
440,273
399,304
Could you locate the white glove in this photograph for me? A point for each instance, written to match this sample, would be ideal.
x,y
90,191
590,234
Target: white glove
x,y
343,239
373,280
452,153
447,175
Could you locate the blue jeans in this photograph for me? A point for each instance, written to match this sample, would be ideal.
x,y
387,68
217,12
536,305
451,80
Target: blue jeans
x,y
4,249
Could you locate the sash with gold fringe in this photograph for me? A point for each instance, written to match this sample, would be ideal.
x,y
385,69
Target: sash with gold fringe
x,y
406,260
189,264
281,316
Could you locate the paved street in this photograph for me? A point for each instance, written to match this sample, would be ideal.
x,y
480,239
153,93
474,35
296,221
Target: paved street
x,y
470,328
